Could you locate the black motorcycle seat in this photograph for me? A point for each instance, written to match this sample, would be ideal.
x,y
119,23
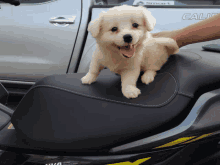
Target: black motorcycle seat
x,y
60,110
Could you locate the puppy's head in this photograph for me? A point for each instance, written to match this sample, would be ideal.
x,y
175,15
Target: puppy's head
x,y
123,27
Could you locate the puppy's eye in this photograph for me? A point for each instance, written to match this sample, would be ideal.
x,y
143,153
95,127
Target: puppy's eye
x,y
135,25
114,29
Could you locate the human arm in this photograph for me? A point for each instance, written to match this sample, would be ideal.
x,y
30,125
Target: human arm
x,y
205,30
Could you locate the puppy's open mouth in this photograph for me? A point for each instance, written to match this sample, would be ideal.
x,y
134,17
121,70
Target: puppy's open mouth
x,y
127,51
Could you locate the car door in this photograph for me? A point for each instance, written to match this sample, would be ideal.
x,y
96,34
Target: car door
x,y
37,38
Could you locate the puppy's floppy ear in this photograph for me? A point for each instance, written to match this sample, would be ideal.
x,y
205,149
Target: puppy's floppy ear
x,y
95,26
149,20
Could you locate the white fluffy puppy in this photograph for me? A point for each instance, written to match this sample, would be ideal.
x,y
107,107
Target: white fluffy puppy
x,y
126,47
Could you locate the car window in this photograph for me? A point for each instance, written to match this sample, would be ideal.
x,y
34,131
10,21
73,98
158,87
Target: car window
x,y
153,2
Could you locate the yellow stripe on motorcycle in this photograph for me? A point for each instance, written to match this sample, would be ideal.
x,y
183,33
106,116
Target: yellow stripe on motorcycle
x,y
198,138
139,161
11,126
175,142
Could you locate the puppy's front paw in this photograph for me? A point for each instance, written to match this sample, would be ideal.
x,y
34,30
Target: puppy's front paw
x,y
88,78
148,77
131,91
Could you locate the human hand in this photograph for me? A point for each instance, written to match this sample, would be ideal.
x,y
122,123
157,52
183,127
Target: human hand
x,y
168,34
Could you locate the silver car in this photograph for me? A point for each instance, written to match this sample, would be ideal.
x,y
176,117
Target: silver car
x,y
40,38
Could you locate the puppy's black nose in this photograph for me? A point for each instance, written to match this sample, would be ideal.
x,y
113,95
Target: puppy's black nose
x,y
127,38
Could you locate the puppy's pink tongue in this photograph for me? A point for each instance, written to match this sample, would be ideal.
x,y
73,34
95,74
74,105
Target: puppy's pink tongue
x,y
129,51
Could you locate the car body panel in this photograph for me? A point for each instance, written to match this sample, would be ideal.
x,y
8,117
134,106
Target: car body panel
x,y
32,47
81,38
